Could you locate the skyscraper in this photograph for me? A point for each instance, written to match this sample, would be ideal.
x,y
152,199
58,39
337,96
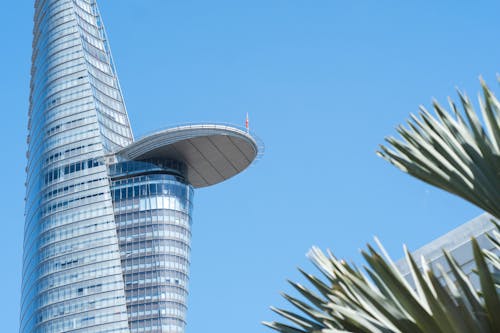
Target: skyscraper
x,y
108,218
457,242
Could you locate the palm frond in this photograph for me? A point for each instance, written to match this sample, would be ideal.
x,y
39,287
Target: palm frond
x,y
457,155
384,302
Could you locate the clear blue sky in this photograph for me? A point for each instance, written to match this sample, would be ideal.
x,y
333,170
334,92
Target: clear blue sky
x,y
324,81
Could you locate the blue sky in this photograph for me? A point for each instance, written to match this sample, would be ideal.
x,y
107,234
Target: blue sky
x,y
324,81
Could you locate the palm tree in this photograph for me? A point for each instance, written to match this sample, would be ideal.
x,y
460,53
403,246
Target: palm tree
x,y
459,156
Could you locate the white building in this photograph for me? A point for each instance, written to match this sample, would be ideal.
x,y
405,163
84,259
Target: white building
x,y
458,243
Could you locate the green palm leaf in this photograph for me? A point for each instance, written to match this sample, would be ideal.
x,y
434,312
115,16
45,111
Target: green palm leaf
x,y
390,305
456,153
461,157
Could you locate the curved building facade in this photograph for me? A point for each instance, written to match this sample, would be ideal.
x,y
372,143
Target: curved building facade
x,y
107,219
153,204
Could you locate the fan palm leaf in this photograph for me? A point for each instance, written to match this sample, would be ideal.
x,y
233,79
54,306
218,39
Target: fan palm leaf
x,y
457,155
384,302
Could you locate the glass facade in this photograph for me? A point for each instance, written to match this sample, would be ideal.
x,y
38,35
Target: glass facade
x,y
73,279
458,243
153,203
106,237
72,276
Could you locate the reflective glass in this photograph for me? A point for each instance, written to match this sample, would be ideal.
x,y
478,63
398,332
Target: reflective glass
x,y
106,247
152,204
72,275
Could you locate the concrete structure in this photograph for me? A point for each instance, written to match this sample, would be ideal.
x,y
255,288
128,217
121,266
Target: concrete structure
x,y
457,242
108,218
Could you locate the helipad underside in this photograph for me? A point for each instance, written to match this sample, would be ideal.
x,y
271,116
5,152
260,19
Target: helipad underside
x,y
212,153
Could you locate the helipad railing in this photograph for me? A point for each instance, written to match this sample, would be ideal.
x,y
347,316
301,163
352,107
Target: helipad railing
x,y
210,125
